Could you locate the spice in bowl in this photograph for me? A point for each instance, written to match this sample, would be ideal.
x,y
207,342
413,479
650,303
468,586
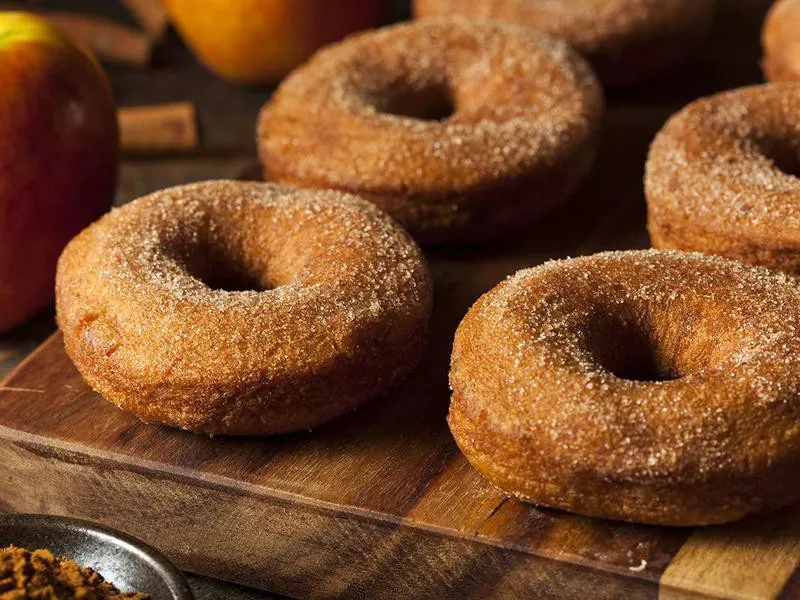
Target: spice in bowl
x,y
39,575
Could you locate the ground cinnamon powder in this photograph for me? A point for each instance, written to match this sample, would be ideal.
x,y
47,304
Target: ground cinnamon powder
x,y
39,575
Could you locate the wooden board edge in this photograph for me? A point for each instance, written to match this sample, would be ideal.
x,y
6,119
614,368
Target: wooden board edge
x,y
164,470
285,553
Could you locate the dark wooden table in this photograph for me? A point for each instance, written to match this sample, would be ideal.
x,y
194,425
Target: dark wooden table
x,y
227,113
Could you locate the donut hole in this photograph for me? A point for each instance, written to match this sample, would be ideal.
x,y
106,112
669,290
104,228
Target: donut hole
x,y
223,269
427,102
784,155
662,345
788,163
630,351
227,279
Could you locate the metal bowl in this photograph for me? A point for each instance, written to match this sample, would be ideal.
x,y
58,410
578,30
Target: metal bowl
x,y
124,561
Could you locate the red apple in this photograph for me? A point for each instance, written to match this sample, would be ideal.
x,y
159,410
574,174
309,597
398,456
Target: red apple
x,y
58,156
259,41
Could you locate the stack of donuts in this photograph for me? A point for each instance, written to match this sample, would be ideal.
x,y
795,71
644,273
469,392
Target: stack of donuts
x,y
659,386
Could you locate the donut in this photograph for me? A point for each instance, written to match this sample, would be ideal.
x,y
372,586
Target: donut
x,y
720,177
462,132
652,386
243,308
780,39
627,41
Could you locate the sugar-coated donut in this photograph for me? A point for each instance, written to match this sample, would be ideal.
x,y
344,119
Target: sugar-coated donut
x,y
650,386
720,177
780,39
243,308
461,131
626,41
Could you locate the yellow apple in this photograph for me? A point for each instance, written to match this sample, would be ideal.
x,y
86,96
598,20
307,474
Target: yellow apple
x,y
259,41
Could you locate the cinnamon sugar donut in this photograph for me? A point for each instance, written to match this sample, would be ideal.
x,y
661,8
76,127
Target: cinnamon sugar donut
x,y
626,41
721,177
780,39
460,131
243,308
651,386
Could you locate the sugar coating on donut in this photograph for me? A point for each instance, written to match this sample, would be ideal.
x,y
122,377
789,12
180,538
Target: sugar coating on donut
x,y
522,103
721,176
515,133
626,40
589,25
231,307
538,408
392,266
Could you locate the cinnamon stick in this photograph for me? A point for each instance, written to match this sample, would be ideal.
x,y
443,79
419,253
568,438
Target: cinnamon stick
x,y
159,128
106,38
151,15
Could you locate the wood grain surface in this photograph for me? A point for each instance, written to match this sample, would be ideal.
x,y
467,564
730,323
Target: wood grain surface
x,y
380,503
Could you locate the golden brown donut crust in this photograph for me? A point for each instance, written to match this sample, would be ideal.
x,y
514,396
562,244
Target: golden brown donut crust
x,y
147,319
524,130
780,39
537,408
718,177
627,41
